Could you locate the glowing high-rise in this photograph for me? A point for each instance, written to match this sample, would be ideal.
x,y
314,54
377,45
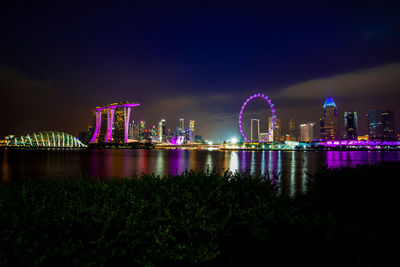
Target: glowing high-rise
x,y
350,125
191,131
329,130
271,126
388,129
181,126
292,130
112,122
307,132
277,131
162,130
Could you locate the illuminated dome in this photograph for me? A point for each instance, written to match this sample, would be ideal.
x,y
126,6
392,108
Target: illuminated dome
x,y
45,139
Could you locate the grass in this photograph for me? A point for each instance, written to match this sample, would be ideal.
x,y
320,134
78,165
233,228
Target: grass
x,y
347,217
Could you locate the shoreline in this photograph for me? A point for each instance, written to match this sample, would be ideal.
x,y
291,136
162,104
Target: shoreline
x,y
172,147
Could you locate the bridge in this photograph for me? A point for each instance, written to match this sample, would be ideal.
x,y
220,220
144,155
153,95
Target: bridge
x,y
359,144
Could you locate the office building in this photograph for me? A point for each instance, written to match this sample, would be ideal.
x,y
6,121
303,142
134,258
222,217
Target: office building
x,y
330,129
255,131
180,130
191,131
292,130
374,124
277,136
322,128
350,125
162,131
142,128
388,129
307,132
271,131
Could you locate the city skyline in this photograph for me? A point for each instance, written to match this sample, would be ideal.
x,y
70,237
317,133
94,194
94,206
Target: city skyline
x,y
197,62
380,123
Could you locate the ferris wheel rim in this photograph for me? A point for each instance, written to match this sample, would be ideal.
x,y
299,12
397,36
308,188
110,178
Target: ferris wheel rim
x,y
241,114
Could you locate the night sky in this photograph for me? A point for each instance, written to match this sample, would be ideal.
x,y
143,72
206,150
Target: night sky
x,y
195,59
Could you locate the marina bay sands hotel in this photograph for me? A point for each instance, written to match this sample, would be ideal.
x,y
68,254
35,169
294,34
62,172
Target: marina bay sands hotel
x,y
111,122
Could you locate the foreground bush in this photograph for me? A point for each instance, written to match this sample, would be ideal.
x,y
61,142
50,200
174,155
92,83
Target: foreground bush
x,y
202,218
144,220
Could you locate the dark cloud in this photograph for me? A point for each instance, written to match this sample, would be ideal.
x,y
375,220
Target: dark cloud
x,y
381,81
32,105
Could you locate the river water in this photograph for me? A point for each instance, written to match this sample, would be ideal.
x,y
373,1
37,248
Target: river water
x,y
293,167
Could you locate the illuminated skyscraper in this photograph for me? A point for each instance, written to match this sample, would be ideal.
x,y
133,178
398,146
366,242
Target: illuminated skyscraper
x,y
388,129
271,136
154,131
322,128
142,128
350,125
112,122
381,124
131,130
181,125
162,130
330,130
277,131
374,124
191,131
307,132
136,131
292,130
254,134
119,129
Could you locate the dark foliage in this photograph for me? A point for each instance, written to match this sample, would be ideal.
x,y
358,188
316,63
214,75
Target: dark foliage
x,y
348,217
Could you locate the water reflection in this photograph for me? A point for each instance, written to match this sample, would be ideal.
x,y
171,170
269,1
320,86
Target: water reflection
x,y
253,162
293,167
5,176
263,163
292,173
209,163
234,161
335,159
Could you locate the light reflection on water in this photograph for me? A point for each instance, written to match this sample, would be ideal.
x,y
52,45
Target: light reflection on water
x,y
292,167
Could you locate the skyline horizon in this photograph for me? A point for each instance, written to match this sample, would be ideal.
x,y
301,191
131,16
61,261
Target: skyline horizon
x,y
284,126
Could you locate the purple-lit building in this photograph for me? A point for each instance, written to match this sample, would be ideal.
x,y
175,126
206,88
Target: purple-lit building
x,y
112,122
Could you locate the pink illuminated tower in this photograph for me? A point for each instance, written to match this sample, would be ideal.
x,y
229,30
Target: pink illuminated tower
x,y
112,122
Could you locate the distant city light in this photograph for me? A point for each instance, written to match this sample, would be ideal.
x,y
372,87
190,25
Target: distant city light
x,y
233,140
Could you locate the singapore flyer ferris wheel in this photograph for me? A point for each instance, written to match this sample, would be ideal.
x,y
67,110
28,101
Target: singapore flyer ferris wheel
x,y
271,106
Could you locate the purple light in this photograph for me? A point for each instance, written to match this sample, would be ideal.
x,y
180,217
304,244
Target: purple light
x,y
241,114
127,115
118,106
97,128
110,109
359,143
177,140
110,122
